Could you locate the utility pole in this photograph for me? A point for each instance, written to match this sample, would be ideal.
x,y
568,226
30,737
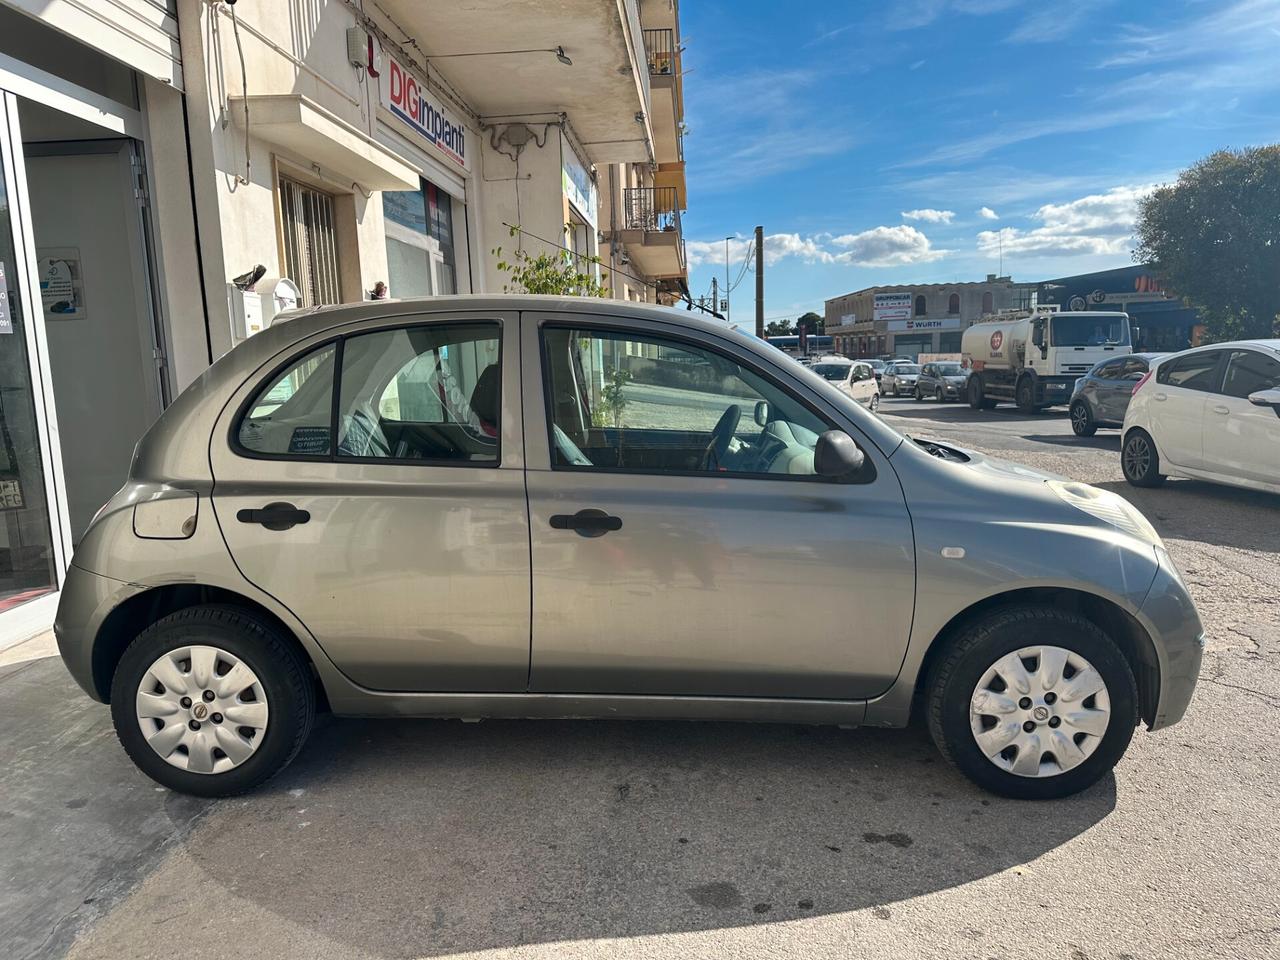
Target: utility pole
x,y
760,282
728,297
715,294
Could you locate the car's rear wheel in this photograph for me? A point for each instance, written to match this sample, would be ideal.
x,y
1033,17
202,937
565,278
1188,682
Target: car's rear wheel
x,y
874,405
1139,460
212,701
1082,422
1033,703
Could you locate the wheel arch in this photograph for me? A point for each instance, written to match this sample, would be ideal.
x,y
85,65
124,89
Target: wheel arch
x,y
123,624
1121,626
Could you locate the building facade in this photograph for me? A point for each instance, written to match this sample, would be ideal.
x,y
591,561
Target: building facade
x,y
1162,323
174,172
909,320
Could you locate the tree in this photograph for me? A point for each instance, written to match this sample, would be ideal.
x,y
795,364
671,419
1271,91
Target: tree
x,y
778,328
1215,238
557,273
812,322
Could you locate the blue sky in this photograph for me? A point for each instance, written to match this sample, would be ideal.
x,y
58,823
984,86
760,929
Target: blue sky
x,y
910,140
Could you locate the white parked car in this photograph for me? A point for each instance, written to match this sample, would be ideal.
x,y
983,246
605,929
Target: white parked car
x,y
1212,413
854,377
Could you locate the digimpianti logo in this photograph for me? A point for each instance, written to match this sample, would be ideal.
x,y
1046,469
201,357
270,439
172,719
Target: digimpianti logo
x,y
405,97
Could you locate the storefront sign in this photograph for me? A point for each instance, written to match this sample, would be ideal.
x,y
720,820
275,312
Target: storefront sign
x,y
6,321
11,494
905,326
891,306
61,283
407,99
578,186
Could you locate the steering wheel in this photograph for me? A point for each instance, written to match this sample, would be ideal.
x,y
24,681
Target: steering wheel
x,y
721,437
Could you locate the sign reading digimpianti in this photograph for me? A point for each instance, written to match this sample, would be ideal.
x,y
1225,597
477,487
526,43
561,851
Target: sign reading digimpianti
x,y
407,99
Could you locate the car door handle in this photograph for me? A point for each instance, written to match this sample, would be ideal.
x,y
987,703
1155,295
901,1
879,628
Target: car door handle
x,y
587,523
274,516
1219,408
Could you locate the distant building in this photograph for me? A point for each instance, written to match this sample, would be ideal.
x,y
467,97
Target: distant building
x,y
911,319
1163,322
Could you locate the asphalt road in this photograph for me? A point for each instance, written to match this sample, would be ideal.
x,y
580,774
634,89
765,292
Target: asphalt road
x,y
655,840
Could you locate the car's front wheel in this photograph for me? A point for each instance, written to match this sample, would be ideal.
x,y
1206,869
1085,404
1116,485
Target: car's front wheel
x,y
1033,703
212,701
939,395
1082,422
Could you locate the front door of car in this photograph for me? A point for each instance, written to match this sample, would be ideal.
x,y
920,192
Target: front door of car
x,y
390,517
682,543
862,385
1178,404
1242,439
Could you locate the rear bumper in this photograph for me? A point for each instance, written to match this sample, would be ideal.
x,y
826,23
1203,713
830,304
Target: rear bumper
x,y
1175,627
85,601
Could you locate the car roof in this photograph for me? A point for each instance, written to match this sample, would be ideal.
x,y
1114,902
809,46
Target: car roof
x,y
1272,345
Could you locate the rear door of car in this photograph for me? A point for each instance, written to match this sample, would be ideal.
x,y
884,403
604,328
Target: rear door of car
x,y
389,515
1182,388
1109,386
1241,439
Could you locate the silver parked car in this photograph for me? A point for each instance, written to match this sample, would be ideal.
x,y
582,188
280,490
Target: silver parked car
x,y
942,380
558,507
899,378
1101,396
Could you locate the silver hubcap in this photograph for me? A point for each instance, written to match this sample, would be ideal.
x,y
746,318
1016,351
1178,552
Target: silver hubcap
x,y
1079,416
1137,457
1039,711
875,401
202,709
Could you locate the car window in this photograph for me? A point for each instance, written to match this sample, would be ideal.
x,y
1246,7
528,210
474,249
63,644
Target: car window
x,y
430,392
652,405
1249,371
1195,371
832,371
291,415
948,370
1107,370
1132,368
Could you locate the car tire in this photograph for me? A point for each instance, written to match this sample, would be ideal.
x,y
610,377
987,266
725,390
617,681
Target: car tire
x,y
1025,396
1139,460
283,683
918,395
939,396
896,392
976,394
959,677
874,403
1082,422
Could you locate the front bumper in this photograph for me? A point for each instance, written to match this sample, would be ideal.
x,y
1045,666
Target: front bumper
x,y
1171,618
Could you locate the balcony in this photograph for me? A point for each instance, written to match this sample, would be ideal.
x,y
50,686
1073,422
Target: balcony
x,y
651,231
666,87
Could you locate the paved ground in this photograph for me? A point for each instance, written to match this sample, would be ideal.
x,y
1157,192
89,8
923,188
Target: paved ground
x,y
619,839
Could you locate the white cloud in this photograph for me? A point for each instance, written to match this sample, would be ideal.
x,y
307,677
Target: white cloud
x,y
886,247
929,215
1099,224
986,213
877,247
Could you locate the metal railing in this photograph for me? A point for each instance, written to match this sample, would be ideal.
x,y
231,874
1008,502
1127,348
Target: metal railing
x,y
660,49
650,208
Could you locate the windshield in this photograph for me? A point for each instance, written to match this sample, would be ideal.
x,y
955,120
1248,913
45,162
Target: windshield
x,y
876,365
906,368
1089,331
832,371
950,370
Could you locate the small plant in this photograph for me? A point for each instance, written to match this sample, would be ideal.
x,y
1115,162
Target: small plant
x,y
555,273
613,402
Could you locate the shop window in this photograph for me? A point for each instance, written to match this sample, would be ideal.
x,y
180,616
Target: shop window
x,y
953,304
419,233
310,242
921,307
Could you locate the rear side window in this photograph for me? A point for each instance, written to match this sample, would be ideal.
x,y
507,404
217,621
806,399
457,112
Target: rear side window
x,y
1108,370
1248,372
291,414
421,393
1195,371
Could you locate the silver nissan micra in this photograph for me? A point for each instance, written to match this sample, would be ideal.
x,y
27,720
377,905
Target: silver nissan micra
x,y
555,507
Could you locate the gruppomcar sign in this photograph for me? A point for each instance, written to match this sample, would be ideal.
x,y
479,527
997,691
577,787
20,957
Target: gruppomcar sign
x,y
406,98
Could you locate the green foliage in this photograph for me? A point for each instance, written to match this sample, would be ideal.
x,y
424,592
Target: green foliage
x,y
1215,236
778,328
812,322
613,402
560,273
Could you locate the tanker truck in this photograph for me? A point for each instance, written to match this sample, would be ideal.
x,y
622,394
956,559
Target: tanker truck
x,y
1034,360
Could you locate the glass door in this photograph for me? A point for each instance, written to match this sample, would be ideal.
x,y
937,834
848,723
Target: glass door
x,y
32,529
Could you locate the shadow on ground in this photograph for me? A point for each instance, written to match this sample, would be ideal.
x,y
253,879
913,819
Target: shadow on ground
x,y
408,838
962,413
1208,512
1099,441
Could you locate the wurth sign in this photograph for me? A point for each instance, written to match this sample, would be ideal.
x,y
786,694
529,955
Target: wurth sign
x,y
406,98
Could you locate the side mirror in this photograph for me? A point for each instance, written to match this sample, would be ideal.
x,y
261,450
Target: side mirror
x,y
1263,398
837,457
762,413
1037,335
